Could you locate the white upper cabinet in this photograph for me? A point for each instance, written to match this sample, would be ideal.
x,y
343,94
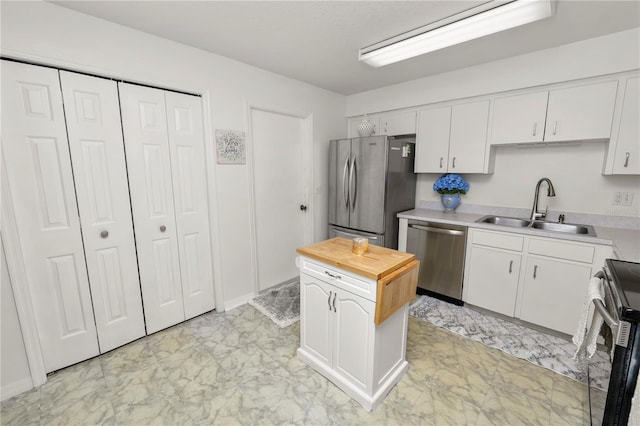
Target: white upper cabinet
x,y
581,113
403,123
396,123
571,114
452,138
626,140
432,140
519,119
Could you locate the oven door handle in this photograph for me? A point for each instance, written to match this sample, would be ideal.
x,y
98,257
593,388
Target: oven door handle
x,y
611,322
619,329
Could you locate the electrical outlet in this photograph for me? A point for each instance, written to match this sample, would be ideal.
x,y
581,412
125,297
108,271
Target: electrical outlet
x,y
624,199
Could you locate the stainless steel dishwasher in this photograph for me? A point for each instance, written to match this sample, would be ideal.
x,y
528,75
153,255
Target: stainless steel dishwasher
x,y
440,249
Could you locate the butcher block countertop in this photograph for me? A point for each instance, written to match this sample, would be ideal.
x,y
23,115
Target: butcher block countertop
x,y
375,263
395,272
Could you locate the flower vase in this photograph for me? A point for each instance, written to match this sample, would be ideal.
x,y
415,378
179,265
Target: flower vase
x,y
450,202
365,128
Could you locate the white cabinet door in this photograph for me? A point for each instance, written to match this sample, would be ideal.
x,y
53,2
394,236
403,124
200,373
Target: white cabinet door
x,y
36,156
553,293
581,113
627,151
353,330
492,279
468,138
519,119
186,145
402,123
97,153
316,319
432,140
149,167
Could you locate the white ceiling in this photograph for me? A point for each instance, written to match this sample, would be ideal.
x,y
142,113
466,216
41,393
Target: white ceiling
x,y
318,41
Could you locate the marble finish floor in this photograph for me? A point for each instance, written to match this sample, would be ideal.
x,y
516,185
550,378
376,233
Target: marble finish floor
x,y
238,367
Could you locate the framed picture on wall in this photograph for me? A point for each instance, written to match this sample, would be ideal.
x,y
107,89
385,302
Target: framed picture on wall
x,y
231,147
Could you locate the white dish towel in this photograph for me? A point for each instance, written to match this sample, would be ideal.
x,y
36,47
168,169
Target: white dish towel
x,y
589,328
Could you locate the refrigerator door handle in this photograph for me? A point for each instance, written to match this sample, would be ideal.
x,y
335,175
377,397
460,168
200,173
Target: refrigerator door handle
x,y
352,172
345,184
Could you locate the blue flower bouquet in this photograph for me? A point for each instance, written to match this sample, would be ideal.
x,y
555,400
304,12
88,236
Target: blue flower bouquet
x,y
451,183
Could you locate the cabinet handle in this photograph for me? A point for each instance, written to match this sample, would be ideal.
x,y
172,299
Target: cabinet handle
x,y
555,127
337,277
329,299
453,163
535,128
163,228
535,271
105,234
440,162
510,266
335,295
626,159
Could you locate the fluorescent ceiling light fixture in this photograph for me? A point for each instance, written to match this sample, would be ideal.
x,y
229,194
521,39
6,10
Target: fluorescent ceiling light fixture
x,y
488,18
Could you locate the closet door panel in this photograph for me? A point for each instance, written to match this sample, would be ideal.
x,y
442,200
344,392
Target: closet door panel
x,y
97,154
149,169
36,156
186,142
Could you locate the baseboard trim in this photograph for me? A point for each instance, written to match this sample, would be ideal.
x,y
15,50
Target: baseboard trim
x,y
12,389
238,301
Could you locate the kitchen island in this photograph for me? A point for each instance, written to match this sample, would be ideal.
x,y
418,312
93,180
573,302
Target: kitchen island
x,y
353,316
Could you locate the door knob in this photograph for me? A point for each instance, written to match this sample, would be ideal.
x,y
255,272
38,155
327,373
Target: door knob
x,y
104,234
163,228
303,207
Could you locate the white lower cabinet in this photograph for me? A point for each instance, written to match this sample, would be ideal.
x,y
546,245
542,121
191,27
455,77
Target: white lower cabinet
x,y
539,280
338,335
337,328
553,293
493,279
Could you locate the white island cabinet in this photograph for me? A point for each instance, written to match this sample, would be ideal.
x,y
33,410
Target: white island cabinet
x,y
354,312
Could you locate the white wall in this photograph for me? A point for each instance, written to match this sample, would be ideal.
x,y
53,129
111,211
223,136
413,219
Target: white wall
x,y
15,376
576,171
46,33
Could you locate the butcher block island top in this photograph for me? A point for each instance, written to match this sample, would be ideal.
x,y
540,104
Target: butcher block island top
x,y
375,263
396,272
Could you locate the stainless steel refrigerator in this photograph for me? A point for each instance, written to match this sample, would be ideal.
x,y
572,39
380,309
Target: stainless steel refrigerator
x,y
370,180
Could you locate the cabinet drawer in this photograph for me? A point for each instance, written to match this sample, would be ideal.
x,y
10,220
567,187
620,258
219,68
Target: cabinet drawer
x,y
562,250
498,240
340,278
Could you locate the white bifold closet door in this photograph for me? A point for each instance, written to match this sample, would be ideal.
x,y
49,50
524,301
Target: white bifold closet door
x,y
36,156
164,145
97,156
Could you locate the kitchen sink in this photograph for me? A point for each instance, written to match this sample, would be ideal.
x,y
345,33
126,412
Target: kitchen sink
x,y
564,227
567,228
505,221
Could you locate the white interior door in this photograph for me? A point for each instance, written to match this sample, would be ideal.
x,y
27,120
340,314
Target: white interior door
x,y
186,143
278,181
36,155
97,155
144,124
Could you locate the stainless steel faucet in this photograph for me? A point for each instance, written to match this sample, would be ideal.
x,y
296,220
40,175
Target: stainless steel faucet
x,y
535,214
